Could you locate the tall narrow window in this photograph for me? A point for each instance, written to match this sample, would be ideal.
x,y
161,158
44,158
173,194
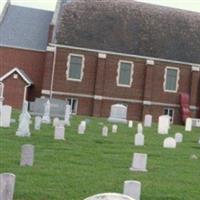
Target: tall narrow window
x,y
125,73
171,79
75,67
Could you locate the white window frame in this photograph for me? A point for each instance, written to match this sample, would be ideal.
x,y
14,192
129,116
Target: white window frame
x,y
173,112
131,74
76,108
177,79
82,67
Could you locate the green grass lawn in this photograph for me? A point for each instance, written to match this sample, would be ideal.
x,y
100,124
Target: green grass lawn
x,y
84,165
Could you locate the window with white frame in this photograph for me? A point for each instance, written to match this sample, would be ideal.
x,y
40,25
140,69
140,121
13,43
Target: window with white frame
x,y
73,102
171,79
125,73
75,67
169,112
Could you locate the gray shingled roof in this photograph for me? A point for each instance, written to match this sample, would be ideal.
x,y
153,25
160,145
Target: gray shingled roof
x,y
25,27
127,26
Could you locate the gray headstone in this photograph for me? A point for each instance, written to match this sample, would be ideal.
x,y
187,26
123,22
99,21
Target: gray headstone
x,y
38,121
7,186
132,189
139,162
27,155
178,137
46,116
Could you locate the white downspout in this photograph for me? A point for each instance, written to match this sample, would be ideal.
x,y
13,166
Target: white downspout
x,y
53,72
25,91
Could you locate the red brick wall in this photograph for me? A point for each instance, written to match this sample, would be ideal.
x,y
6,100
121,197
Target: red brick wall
x,y
32,62
14,91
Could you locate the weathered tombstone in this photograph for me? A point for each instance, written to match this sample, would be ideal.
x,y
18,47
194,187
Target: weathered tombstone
x,y
118,113
84,124
132,189
169,142
148,121
109,196
27,155
130,124
139,128
46,117
68,112
23,128
59,133
163,124
6,112
139,162
105,131
139,139
178,137
56,121
38,121
7,186
24,109
114,128
188,124
81,128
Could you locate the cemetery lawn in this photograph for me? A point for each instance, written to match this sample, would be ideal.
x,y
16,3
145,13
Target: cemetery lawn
x,y
84,165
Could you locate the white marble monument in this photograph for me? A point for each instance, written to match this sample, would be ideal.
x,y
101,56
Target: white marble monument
x,y
132,189
7,186
24,125
188,124
109,196
6,112
170,143
68,112
114,128
27,155
59,133
46,117
139,162
139,128
105,131
163,124
139,139
118,113
148,121
38,121
178,137
130,124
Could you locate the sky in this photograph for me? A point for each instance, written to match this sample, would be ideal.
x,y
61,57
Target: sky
x,y
193,5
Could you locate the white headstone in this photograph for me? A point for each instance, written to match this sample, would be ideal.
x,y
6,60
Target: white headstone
x,y
105,131
148,121
163,124
56,121
178,137
132,189
38,121
139,139
130,124
118,113
139,162
114,128
24,109
7,186
59,133
23,128
6,112
169,142
84,124
188,124
139,128
81,128
27,155
109,196
46,117
68,112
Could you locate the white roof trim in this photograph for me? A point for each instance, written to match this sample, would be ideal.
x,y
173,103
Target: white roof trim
x,y
19,72
124,54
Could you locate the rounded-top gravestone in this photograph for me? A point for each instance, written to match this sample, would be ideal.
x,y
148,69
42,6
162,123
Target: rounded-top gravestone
x,y
169,142
109,196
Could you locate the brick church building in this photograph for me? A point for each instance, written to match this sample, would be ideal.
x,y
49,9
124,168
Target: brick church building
x,y
95,53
